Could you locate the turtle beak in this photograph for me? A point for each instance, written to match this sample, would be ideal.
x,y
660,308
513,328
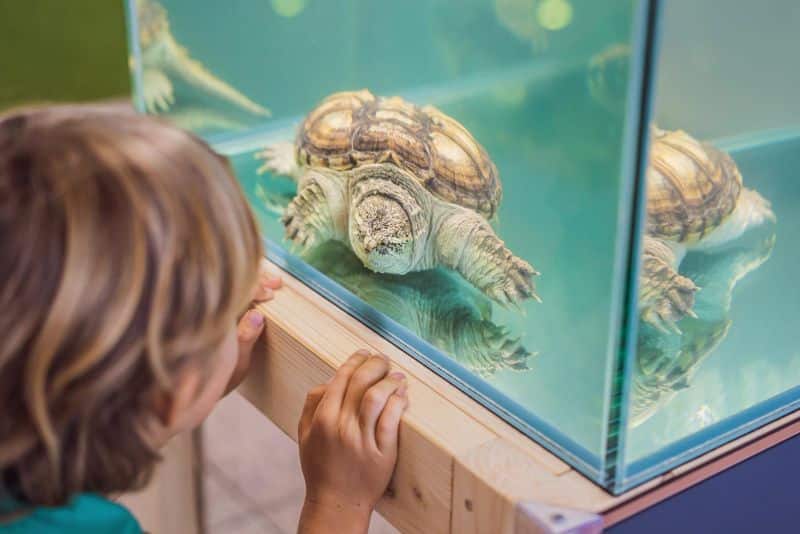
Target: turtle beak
x,y
370,244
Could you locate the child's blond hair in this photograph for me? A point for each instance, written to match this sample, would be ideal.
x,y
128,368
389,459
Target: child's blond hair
x,y
126,250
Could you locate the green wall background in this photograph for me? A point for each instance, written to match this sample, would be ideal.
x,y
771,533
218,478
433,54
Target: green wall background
x,y
62,50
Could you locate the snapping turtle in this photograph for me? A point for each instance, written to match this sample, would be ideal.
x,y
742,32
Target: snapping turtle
x,y
695,201
407,188
432,304
665,364
163,58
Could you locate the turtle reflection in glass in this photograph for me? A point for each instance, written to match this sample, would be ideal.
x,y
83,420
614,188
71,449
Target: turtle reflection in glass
x,y
666,363
164,60
607,76
695,201
406,188
432,304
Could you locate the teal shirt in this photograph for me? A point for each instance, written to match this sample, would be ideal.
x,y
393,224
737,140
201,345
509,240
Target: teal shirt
x,y
85,514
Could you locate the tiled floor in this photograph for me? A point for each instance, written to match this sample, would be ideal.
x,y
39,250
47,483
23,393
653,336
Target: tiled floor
x,y
252,481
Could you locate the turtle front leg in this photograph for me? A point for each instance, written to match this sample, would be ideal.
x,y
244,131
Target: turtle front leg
x,y
177,60
317,213
157,91
464,241
279,159
665,296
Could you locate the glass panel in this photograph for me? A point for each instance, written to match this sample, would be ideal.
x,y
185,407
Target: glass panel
x,y
717,352
543,87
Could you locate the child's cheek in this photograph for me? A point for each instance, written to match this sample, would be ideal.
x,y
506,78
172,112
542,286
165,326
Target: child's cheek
x,y
227,358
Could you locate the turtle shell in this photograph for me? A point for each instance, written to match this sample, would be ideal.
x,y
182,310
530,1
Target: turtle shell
x,y
356,128
692,187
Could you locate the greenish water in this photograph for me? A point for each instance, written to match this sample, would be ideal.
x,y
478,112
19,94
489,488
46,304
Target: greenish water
x,y
548,106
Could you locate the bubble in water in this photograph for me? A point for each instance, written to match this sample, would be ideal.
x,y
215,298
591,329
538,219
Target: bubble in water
x,y
288,8
554,15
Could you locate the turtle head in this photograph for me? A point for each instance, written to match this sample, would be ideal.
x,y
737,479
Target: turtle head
x,y
387,226
758,209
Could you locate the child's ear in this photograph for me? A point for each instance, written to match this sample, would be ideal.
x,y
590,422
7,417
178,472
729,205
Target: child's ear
x,y
170,406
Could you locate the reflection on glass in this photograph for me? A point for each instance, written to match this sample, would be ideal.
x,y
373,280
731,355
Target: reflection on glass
x,y
716,355
665,361
433,304
520,18
607,77
168,70
695,201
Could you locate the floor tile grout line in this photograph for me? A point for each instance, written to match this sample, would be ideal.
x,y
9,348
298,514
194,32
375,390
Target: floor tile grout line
x,y
230,524
250,507
231,482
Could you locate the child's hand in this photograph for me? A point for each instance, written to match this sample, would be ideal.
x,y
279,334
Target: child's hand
x,y
348,444
251,325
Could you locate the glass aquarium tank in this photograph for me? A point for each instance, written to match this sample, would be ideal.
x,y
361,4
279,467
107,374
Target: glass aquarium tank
x,y
583,214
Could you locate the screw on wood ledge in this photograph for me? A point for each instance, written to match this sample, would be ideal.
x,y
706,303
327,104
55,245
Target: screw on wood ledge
x,y
536,518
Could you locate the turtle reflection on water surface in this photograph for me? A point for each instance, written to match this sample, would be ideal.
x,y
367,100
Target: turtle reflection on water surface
x,y
665,361
164,60
435,305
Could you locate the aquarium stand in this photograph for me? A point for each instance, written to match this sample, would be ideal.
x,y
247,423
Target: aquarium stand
x,y
461,469
537,518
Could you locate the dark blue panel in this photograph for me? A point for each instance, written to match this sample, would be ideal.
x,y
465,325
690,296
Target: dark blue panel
x,y
755,496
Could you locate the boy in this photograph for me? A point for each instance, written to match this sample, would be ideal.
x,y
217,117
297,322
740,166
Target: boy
x,y
129,262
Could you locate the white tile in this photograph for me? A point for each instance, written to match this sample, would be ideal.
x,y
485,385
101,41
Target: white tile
x,y
253,471
220,504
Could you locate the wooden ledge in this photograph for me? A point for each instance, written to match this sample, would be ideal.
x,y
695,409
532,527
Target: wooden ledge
x,y
461,469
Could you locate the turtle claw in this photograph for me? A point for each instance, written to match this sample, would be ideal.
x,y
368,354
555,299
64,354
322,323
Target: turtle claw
x,y
296,233
487,348
157,92
675,300
306,223
663,325
665,296
278,158
514,285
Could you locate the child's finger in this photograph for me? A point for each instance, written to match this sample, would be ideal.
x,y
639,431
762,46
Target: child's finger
x,y
374,401
266,286
263,294
386,430
266,278
271,282
367,375
313,398
249,328
334,393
